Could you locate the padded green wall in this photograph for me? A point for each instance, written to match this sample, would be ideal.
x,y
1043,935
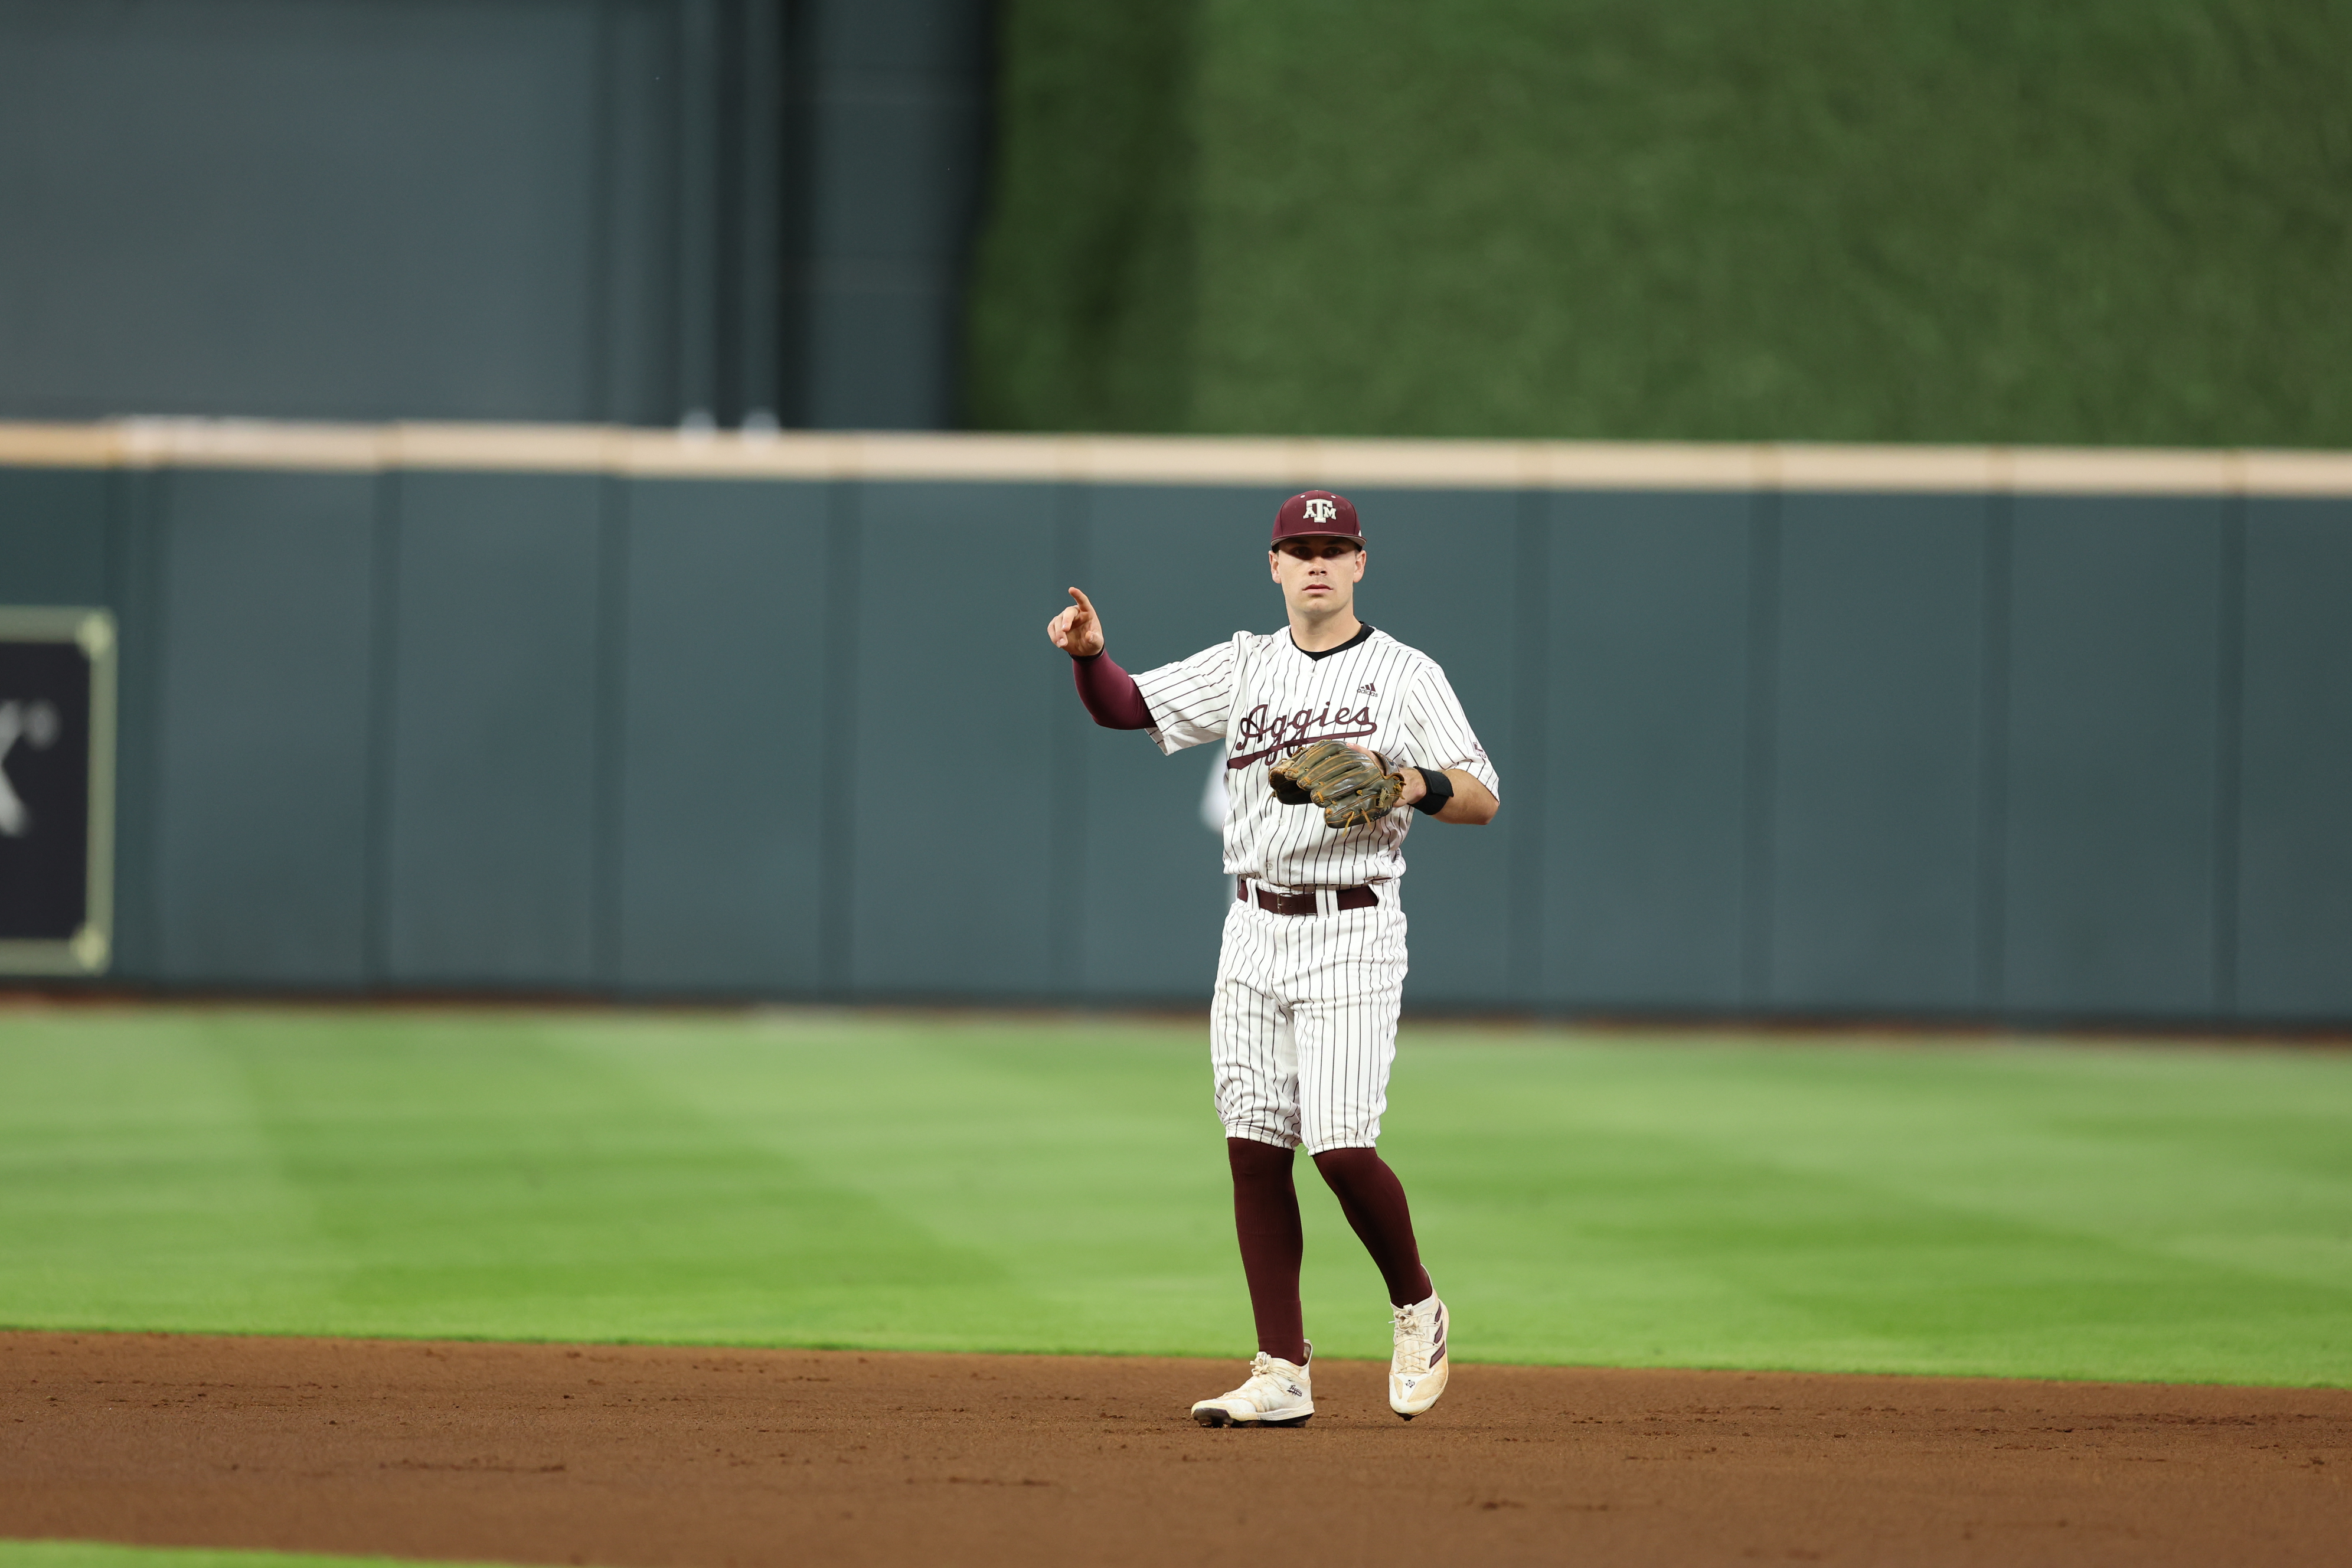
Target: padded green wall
x,y
2041,757
726,629
2105,221
261,744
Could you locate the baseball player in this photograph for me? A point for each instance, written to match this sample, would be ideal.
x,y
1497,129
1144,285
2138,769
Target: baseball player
x,y
1330,728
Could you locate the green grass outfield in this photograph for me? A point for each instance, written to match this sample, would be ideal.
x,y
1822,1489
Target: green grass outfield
x,y
99,1555
1015,1183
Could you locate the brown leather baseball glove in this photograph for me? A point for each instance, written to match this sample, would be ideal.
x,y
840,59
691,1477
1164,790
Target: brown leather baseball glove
x,y
1352,786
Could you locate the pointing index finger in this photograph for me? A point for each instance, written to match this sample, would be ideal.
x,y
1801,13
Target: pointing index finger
x,y
1085,604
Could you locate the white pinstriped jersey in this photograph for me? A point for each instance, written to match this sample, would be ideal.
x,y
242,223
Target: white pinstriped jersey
x,y
1264,699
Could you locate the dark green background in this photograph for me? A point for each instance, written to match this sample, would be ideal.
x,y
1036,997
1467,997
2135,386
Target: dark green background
x,y
2102,221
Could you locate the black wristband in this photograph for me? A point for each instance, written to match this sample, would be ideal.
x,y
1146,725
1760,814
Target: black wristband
x,y
1440,788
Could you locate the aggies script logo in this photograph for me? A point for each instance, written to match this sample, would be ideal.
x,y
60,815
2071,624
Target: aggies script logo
x,y
1289,732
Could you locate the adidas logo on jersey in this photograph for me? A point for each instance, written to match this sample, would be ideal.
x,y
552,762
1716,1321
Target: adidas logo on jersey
x,y
1367,690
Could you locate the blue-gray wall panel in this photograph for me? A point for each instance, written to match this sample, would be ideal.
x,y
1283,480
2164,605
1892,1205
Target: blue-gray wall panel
x,y
955,583
491,875
319,211
722,793
889,193
2113,755
893,132
509,209
551,722
137,529
262,811
53,533
639,334
875,349
2294,898
1439,579
1642,790
1171,571
1875,783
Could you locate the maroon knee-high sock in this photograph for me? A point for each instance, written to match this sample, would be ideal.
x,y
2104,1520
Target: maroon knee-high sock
x,y
1373,1200
1265,1218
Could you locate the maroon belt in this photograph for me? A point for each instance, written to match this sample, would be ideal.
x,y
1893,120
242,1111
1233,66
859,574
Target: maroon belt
x,y
1356,898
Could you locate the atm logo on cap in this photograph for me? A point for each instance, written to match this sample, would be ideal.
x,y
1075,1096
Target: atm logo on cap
x,y
1321,510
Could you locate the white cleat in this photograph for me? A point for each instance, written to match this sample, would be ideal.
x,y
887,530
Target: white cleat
x,y
1276,1395
1418,1366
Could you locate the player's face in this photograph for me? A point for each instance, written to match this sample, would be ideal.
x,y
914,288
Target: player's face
x,y
1318,575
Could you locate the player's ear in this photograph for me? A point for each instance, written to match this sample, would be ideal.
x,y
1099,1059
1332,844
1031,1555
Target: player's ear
x,y
1273,564
1362,555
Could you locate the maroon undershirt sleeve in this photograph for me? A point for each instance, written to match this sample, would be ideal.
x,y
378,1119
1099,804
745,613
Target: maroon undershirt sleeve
x,y
1110,693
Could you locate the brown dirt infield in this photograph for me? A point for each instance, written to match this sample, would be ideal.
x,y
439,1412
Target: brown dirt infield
x,y
651,1457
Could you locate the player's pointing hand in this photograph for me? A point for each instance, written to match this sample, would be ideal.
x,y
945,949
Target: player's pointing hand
x,y
1077,631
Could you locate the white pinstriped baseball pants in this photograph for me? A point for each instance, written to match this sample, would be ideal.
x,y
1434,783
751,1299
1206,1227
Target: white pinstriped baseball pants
x,y
1302,1029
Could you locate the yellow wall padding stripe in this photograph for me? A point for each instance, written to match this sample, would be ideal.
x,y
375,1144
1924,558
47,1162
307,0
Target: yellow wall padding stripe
x,y
1275,462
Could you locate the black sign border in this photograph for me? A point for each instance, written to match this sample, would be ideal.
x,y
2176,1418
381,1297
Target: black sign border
x,y
90,950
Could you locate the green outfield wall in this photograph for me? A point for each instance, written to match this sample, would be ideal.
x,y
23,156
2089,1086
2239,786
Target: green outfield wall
x,y
1902,734
2108,221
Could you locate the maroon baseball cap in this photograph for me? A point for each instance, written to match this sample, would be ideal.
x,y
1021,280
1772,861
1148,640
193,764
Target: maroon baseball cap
x,y
1315,514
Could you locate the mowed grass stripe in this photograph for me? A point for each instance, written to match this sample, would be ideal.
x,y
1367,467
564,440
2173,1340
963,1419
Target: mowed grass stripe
x,y
885,1181
108,1554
